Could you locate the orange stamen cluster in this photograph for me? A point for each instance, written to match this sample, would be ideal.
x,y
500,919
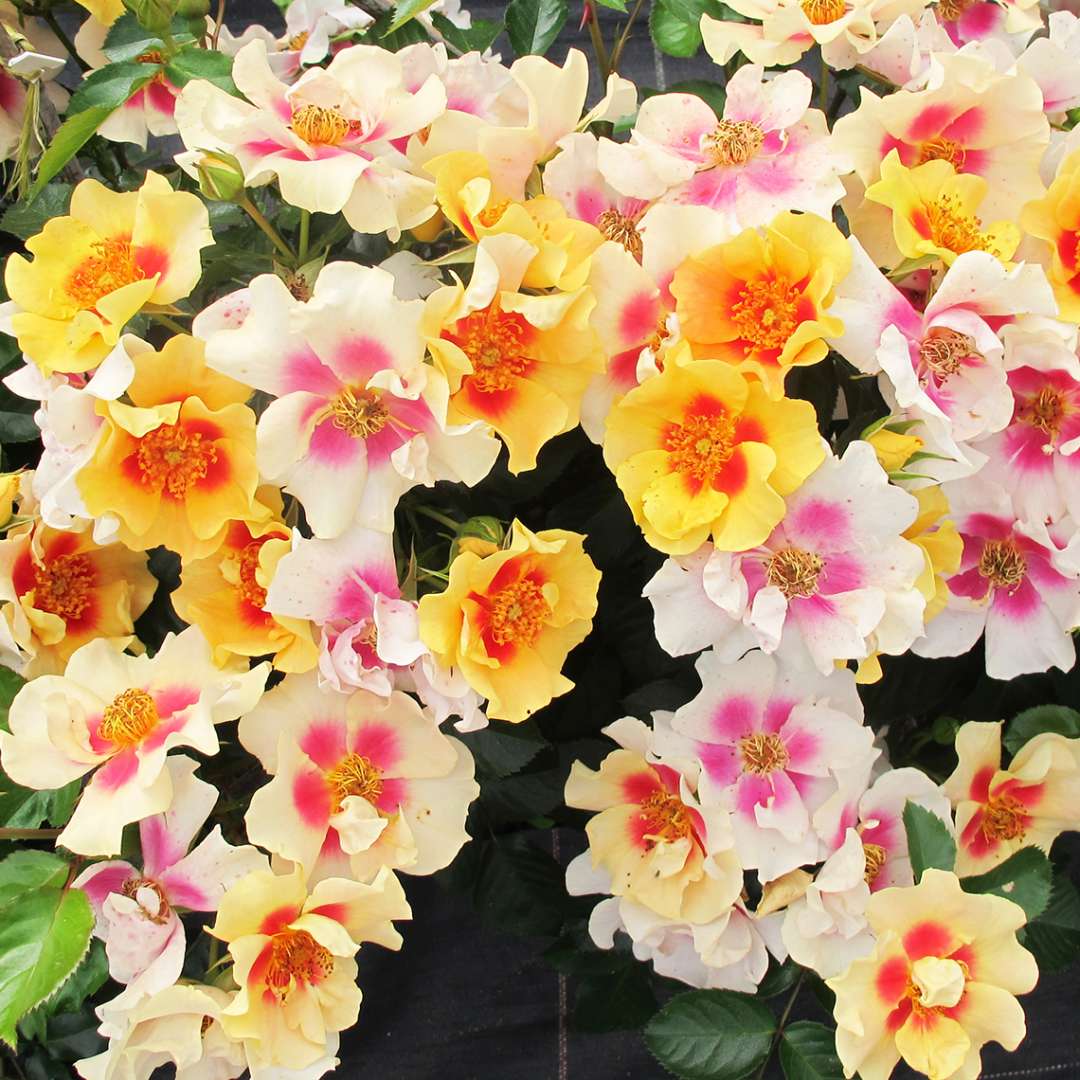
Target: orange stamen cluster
x,y
360,413
321,125
794,572
493,340
1003,818
763,753
876,857
295,958
1002,564
131,887
129,718
666,817
355,775
62,586
247,584
942,149
701,445
111,266
518,613
766,313
734,142
171,460
953,229
823,12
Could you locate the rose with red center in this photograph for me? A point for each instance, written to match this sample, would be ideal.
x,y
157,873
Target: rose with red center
x,y
941,982
650,839
1000,809
359,782
508,620
760,301
358,417
96,267
517,361
293,958
118,716
60,590
773,741
700,450
1055,219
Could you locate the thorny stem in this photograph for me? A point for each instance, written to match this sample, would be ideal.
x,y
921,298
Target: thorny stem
x,y
219,22
779,1033
29,834
256,215
598,43
624,37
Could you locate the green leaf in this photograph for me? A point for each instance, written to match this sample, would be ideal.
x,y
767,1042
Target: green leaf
x,y
109,87
1043,718
479,36
521,889
671,33
406,10
930,843
711,1035
25,871
533,25
1054,937
10,684
808,1052
126,39
622,1002
1025,878
18,427
85,980
26,219
500,752
214,67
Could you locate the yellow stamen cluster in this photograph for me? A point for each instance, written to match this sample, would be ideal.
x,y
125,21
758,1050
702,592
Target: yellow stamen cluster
x,y
876,857
766,313
1002,564
622,229
493,341
297,41
355,775
701,445
172,461
321,125
823,12
665,817
1003,818
62,586
518,613
296,957
1045,411
111,266
734,142
942,149
794,572
954,230
763,753
129,718
360,413
951,10
944,350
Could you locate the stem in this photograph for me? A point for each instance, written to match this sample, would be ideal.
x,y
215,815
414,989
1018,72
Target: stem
x,y
68,44
256,215
170,324
442,519
29,834
823,88
421,572
624,37
779,1033
305,235
598,43
875,77
219,22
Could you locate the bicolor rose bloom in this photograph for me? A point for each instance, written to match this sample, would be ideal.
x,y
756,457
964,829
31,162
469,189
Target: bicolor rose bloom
x,y
342,120
135,908
175,463
775,741
1052,61
934,212
60,590
941,982
359,782
359,418
634,315
466,195
651,841
118,716
942,365
99,265
973,117
181,1026
1017,582
1000,810
760,301
293,959
701,450
1055,219
508,620
1035,458
348,587
225,595
768,152
519,362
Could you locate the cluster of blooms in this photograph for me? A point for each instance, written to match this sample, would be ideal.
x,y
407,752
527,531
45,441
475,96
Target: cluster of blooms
x,y
657,291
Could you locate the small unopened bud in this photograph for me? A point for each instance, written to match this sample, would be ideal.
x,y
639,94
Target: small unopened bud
x,y
193,9
221,177
486,528
154,15
476,546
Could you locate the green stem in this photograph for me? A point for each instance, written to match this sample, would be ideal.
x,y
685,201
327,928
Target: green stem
x,y
305,235
256,215
624,37
441,518
29,834
421,572
779,1033
888,84
598,45
171,324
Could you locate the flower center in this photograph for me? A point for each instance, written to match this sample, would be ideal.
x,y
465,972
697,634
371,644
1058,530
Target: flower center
x,y
490,215
702,445
297,42
954,230
794,572
876,857
248,586
735,142
296,957
766,313
1045,411
360,413
936,982
129,718
171,460
621,229
942,149
62,586
822,12
518,613
666,817
131,887
111,266
493,340
951,10
1002,564
354,775
763,753
944,350
321,125
1004,818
